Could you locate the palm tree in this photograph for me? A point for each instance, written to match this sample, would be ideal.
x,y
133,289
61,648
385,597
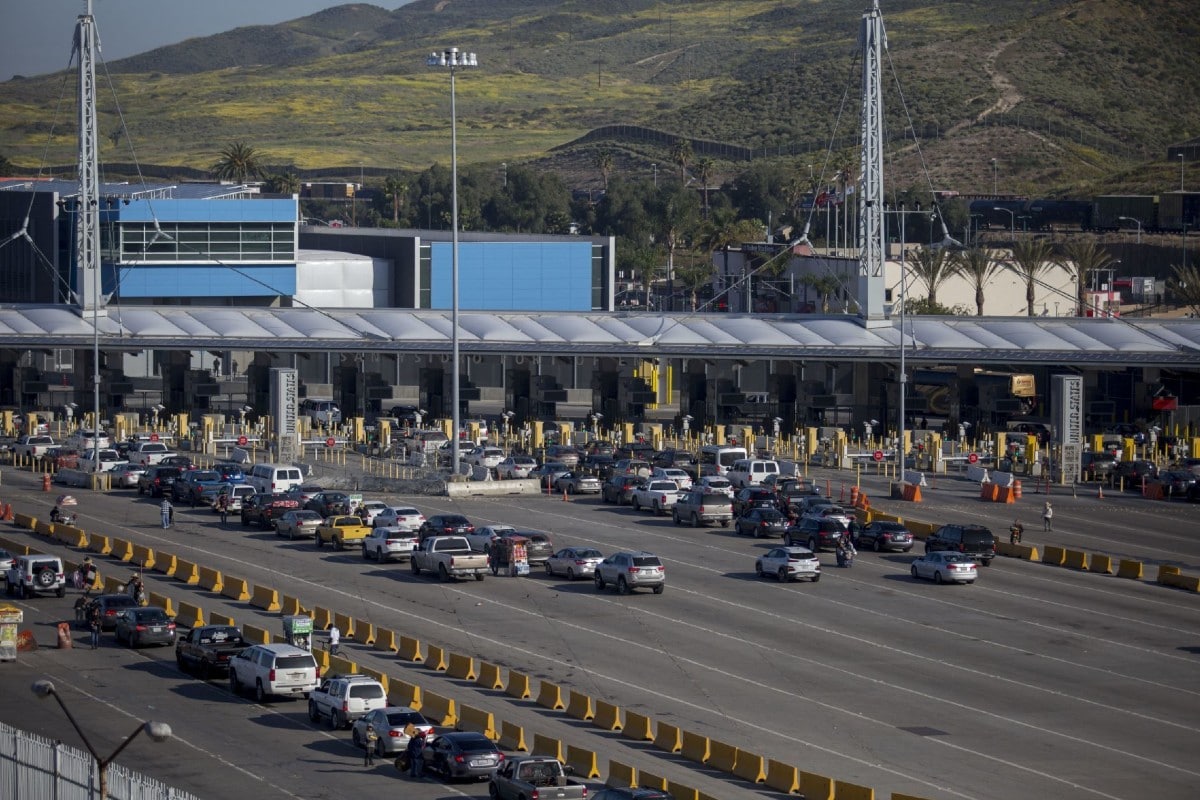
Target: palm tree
x,y
824,285
705,168
979,267
933,267
1082,259
677,219
693,276
681,154
1030,259
604,163
238,162
283,183
396,188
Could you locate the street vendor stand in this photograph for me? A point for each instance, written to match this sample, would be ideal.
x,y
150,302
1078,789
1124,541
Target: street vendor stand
x,y
297,630
510,555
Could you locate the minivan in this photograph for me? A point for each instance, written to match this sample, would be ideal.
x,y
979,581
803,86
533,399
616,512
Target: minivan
x,y
274,478
751,471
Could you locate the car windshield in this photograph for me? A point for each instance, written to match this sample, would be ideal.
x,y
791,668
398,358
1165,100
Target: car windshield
x,y
305,516
295,662
480,745
151,615
454,519
890,527
406,512
646,561
954,557
399,719
976,537
205,475
370,691
588,553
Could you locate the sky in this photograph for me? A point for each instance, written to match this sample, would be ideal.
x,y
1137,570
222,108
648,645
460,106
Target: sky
x,y
36,34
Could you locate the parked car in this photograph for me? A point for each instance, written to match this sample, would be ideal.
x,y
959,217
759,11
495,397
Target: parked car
x,y
578,483
658,496
189,488
446,525
481,538
681,478
698,507
235,493
598,464
263,509
273,669
27,575
148,453
574,562
1176,482
7,562
884,535
975,541
344,698
208,648
321,411
631,570
109,460
944,566
789,564
373,508
341,531
516,467
619,488
816,533
563,453
753,497
1098,465
462,755
305,492
402,517
384,544
158,480
230,473
142,625
538,549
126,476
625,793
298,523
761,522
716,484
33,445
109,606
550,472
483,456
183,463
390,724
329,503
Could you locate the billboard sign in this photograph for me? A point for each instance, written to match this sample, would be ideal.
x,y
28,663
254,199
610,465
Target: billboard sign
x,y
285,410
1066,406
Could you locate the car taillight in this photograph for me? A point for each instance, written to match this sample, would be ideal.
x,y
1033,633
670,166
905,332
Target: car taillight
x,y
318,675
459,759
271,675
395,733
345,705
139,627
632,569
579,562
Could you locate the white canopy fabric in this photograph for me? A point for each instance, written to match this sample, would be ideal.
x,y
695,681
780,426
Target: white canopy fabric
x,y
969,340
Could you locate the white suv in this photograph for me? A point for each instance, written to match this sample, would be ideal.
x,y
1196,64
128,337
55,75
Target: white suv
x,y
345,698
36,573
273,669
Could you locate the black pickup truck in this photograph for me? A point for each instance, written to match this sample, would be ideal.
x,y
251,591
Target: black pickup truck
x,y
207,649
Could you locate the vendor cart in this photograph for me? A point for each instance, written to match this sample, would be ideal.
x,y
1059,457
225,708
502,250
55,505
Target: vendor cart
x,y
510,555
297,630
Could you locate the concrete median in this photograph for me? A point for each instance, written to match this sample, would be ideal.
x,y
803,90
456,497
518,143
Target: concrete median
x,y
235,589
608,716
477,720
345,624
70,535
668,738
340,665
165,563
99,544
512,737
489,676
410,649
364,632
550,696
1075,559
211,579
266,598
815,787
722,756
404,693
121,549
460,666
649,780
25,521
638,727
579,706
187,572
291,606
435,658
1128,568
518,685
782,777
386,640
43,529
220,619
143,556
1054,556
681,791
323,619
1100,563
190,616
620,775
163,602
694,747
255,634
844,790
113,585
584,761
438,709
749,767
547,746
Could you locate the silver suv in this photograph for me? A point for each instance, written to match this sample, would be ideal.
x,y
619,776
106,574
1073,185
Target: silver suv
x,y
629,571
31,574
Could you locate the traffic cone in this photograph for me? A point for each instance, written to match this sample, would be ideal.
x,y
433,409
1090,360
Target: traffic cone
x,y
566,499
1100,490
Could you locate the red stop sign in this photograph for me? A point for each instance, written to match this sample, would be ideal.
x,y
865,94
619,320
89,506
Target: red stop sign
x,y
154,437
242,441
330,442
972,458
877,455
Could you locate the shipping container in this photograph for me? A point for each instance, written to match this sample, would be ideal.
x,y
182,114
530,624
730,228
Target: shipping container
x,y
1177,209
1111,207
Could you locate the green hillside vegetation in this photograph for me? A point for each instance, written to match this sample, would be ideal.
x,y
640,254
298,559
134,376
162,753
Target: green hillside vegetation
x,y
1068,96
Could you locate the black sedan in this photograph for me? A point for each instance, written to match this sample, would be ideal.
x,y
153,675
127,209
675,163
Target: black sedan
x,y
109,605
142,626
446,525
760,522
462,755
753,497
886,536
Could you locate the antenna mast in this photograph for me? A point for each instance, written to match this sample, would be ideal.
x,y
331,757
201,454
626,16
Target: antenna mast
x,y
87,217
873,40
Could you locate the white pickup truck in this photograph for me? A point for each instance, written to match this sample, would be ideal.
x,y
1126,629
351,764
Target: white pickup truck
x,y
659,496
448,557
148,453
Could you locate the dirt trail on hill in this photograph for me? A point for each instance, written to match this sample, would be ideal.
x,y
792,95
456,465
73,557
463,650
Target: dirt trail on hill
x,y
1009,96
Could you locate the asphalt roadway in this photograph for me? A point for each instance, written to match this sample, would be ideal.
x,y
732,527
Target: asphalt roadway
x,y
1035,682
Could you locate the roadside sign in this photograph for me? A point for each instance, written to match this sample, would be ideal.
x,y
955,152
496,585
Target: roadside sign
x,y
154,437
330,442
243,441
877,455
972,458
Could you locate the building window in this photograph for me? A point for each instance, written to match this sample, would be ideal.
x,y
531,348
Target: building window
x,y
224,242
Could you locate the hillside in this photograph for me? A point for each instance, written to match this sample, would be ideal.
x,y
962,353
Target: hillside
x,y
1064,94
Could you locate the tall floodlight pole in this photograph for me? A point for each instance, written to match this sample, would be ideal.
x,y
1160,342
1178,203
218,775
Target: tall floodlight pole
x,y
873,40
452,60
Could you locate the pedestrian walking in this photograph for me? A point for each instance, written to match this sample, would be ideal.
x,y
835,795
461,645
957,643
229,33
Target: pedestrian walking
x,y
223,506
335,639
90,573
416,765
372,740
94,625
1047,517
168,513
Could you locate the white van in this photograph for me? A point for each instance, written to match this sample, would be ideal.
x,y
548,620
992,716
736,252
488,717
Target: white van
x,y
751,471
274,478
716,459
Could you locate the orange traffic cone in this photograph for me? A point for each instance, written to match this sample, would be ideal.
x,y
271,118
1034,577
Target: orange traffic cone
x,y
1100,490
566,499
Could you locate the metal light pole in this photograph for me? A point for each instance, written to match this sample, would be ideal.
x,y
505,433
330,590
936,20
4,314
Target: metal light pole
x,y
654,167
158,731
452,59
1012,216
1139,226
995,178
1181,172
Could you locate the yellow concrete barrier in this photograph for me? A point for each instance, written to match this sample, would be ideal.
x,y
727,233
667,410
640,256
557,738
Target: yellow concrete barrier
x,y
323,619
122,549
255,634
438,709
322,657
477,720
186,571
266,598
435,658
844,790
721,755
512,737
707,796
489,676
1188,582
71,535
378,675
364,632
579,706
1164,570
620,774
211,579
694,747
99,544
518,685
220,619
25,521
668,737
235,588
190,616
1075,559
163,602
547,746
1129,569
410,649
291,606
900,796
143,556
815,787
1033,554
1054,555
638,727
608,716
386,640
113,585
404,693
43,529
782,777
679,791
584,761
460,666
15,547
341,665
749,767
550,696
1101,563
648,780
165,563
345,623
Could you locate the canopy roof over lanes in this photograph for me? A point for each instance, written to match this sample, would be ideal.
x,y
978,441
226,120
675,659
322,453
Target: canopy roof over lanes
x,y
967,340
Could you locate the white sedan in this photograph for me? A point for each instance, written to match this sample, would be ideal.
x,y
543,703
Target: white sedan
x,y
406,518
374,509
481,540
945,566
515,467
681,478
789,564
574,562
715,484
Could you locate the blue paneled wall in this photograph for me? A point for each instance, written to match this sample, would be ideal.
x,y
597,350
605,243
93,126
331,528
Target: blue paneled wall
x,y
518,276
